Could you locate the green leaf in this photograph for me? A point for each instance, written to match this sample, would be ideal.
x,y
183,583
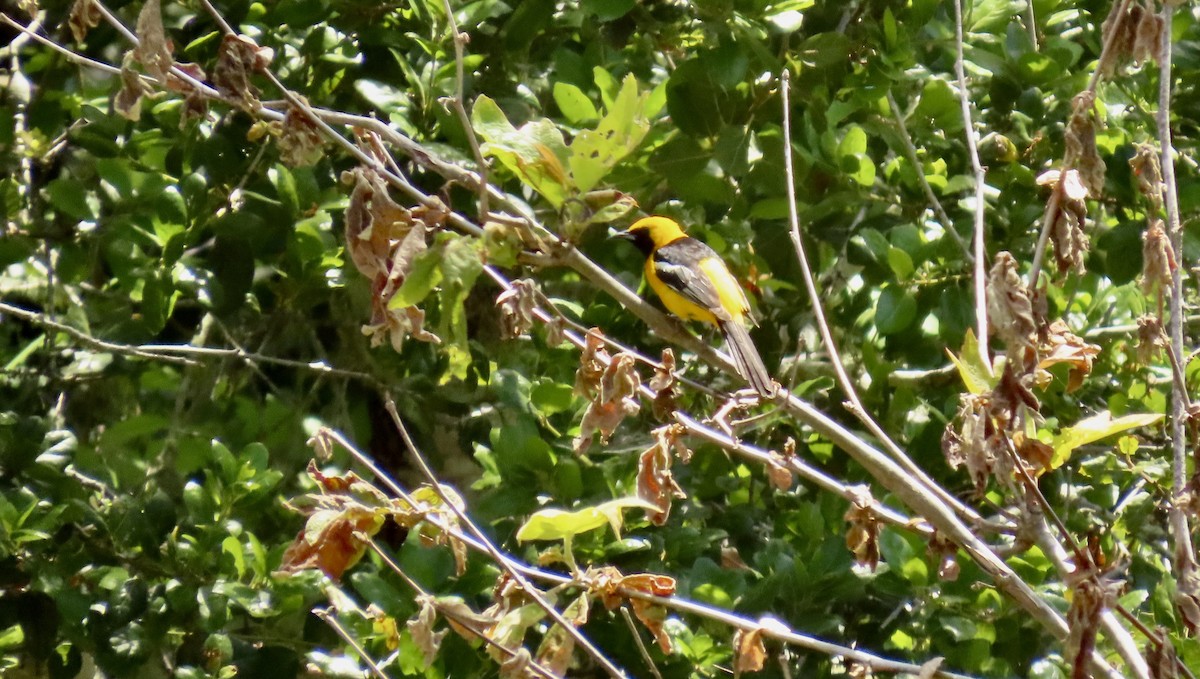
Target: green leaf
x,y
594,153
895,310
573,103
535,153
976,375
558,524
900,262
422,278
1094,428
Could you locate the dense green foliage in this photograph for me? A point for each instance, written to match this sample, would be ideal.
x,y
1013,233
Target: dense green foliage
x,y
144,490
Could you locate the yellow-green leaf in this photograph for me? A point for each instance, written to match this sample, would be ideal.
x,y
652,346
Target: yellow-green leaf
x,y
1093,429
976,375
558,524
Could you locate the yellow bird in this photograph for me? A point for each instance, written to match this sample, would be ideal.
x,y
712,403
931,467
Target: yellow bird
x,y
694,284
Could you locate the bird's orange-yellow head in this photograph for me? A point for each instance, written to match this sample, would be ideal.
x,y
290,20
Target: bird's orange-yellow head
x,y
652,232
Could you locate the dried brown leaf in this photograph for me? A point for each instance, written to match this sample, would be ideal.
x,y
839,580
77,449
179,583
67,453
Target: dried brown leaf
x,y
1080,148
592,362
1064,346
655,484
154,48
1162,658
862,537
128,101
1125,25
663,385
1151,338
1146,168
517,665
1187,597
930,668
1147,39
749,651
1158,260
333,540
85,15
731,559
1010,312
516,308
300,140
238,58
614,400
420,628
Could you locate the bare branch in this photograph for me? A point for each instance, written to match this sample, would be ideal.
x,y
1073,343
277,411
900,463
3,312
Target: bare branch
x,y
980,258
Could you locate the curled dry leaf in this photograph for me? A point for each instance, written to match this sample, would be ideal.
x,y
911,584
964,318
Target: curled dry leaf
x,y
975,444
930,668
332,540
1187,597
1070,242
613,588
420,628
613,401
945,553
1010,312
655,484
749,651
557,645
1145,166
1093,594
731,559
1124,24
777,471
1080,144
1064,346
516,308
322,444
1161,657
663,386
1158,260
237,59
592,362
517,665
862,537
154,48
85,15
1147,36
128,101
1151,338
300,140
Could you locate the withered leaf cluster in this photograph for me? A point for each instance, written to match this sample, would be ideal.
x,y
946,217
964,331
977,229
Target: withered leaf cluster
x,y
663,385
516,308
1066,233
655,484
154,53
610,384
1138,36
348,511
300,140
238,58
862,538
1158,255
85,15
1010,310
383,240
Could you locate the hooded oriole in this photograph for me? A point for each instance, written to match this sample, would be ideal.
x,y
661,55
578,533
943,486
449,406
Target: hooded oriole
x,y
694,284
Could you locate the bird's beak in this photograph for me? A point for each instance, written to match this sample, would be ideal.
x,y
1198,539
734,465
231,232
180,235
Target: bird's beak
x,y
620,235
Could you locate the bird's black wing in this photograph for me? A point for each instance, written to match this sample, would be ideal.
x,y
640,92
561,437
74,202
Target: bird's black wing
x,y
678,265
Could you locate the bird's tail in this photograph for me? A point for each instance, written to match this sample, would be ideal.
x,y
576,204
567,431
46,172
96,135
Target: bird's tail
x,y
746,358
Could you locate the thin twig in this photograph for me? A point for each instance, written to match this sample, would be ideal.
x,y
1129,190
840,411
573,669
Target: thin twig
x,y
1181,533
456,102
450,614
637,638
981,320
1054,203
88,340
771,628
854,404
910,151
331,620
502,560
802,469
